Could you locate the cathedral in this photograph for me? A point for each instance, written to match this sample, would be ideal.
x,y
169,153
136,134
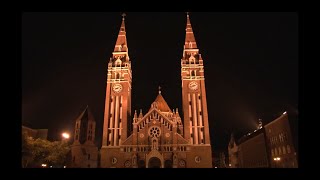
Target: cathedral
x,y
159,138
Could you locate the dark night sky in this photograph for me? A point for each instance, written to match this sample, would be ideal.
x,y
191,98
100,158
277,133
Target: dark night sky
x,y
251,65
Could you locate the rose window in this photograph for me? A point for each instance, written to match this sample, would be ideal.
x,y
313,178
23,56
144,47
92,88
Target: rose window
x,y
154,131
127,163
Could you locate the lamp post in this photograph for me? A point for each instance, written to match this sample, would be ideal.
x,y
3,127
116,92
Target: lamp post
x,y
65,138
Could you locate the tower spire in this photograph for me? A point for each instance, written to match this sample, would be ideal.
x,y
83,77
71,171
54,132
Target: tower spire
x,y
121,44
190,41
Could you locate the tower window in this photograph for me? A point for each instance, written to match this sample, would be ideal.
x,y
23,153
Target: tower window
x,y
200,113
193,73
190,103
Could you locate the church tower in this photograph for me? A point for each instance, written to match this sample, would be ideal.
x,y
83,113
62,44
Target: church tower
x,y
194,102
118,99
84,152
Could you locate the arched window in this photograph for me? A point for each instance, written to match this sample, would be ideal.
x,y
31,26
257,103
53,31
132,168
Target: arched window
x,y
117,76
288,149
284,150
190,44
280,153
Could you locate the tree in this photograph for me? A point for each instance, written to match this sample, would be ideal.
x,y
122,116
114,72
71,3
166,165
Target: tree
x,y
40,151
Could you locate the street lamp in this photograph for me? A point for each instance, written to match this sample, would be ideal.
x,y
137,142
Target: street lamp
x,y
65,135
277,160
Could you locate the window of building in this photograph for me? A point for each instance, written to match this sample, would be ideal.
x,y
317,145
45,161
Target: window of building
x,y
288,149
284,150
275,152
272,152
193,73
280,153
88,156
190,44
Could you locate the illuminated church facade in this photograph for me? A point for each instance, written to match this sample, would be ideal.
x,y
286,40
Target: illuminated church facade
x,y
159,138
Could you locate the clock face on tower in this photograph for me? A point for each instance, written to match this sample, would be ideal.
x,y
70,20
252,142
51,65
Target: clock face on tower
x,y
193,85
117,88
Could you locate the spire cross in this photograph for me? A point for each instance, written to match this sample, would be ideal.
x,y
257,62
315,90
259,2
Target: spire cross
x,y
159,89
123,15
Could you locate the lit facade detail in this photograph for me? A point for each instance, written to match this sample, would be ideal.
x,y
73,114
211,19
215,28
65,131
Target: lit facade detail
x,y
159,138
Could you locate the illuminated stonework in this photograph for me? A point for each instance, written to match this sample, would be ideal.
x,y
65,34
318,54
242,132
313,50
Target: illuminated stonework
x,y
158,138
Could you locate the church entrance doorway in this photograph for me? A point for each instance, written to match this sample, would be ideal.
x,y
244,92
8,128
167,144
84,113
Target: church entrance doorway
x,y
154,162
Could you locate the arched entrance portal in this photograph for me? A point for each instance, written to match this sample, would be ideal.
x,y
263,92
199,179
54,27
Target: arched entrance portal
x,y
154,162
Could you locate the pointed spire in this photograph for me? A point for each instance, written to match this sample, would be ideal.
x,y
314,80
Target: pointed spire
x,y
232,140
140,115
190,41
135,114
177,112
121,44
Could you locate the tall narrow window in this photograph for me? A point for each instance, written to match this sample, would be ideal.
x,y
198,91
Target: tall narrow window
x,y
193,73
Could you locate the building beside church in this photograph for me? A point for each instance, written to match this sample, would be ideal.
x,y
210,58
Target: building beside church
x,y
233,153
35,133
271,146
160,138
84,152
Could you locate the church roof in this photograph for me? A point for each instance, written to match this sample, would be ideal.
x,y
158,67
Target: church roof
x,y
161,104
86,115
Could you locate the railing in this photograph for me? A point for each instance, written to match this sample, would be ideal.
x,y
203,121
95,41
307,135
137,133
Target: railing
x,y
147,148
